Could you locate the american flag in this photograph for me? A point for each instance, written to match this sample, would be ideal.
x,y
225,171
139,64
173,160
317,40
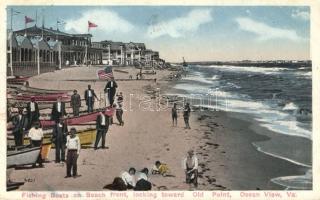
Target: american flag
x,y
105,73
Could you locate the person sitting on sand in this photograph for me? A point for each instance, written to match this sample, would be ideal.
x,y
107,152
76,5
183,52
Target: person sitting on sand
x,y
124,182
190,165
160,168
174,113
128,178
143,184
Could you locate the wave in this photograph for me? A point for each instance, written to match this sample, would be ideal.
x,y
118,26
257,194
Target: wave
x,y
303,182
290,106
263,70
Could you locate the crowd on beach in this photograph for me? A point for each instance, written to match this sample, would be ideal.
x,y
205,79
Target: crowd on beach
x,y
68,144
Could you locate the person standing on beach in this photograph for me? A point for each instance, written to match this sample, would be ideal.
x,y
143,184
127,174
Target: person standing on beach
x,y
190,165
20,123
36,135
89,96
174,113
186,115
110,90
75,103
102,125
119,113
59,134
32,112
73,146
58,110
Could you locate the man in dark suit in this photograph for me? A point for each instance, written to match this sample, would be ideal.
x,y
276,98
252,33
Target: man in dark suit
x,y
32,112
89,96
75,103
110,90
58,110
59,134
20,123
102,125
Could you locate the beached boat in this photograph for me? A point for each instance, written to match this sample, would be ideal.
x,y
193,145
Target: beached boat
x,y
87,137
78,120
19,80
23,156
46,97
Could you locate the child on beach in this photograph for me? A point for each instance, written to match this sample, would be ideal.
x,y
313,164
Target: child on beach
x,y
160,168
125,181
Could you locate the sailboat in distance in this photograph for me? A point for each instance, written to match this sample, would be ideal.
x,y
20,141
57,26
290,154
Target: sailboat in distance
x,y
184,64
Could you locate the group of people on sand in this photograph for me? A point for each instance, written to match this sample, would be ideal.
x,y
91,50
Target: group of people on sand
x,y
131,180
186,115
67,143
140,181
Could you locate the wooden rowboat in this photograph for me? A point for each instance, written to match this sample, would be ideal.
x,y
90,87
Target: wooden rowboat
x,y
78,120
47,97
24,156
87,137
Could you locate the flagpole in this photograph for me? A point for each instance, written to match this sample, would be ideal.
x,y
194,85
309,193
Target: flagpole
x,y
11,53
11,11
87,48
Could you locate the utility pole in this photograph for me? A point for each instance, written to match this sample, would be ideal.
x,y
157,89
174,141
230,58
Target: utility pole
x,y
59,43
11,35
38,55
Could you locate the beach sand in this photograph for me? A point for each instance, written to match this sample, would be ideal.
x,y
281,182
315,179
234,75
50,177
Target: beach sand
x,y
223,143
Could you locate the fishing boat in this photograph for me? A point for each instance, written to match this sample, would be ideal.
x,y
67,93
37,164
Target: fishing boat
x,y
22,156
77,120
87,137
46,97
19,80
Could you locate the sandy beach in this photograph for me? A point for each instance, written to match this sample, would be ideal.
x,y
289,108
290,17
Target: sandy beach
x,y
223,142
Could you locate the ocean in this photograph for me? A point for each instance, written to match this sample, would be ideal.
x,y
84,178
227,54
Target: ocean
x,y
278,98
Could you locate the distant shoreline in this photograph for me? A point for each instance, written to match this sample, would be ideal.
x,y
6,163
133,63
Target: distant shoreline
x,y
279,63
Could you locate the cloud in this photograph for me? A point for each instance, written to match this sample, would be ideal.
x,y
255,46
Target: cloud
x,y
266,32
179,27
107,21
299,14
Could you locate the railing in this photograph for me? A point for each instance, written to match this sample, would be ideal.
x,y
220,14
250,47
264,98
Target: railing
x,y
31,68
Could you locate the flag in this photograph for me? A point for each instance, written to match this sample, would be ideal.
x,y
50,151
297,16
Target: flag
x,y
91,25
28,19
105,73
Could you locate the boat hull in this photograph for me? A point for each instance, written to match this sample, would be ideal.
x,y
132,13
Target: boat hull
x,y
25,156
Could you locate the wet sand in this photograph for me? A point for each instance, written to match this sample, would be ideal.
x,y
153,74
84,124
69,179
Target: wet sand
x,y
227,158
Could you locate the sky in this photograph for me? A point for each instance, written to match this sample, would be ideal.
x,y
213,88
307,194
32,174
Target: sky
x,y
197,33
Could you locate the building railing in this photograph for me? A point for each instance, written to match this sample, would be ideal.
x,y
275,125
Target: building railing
x,y
31,68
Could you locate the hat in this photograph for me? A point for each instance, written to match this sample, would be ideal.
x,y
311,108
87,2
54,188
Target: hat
x,y
190,151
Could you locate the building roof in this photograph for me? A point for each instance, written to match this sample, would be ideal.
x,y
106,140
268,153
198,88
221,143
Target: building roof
x,y
38,30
